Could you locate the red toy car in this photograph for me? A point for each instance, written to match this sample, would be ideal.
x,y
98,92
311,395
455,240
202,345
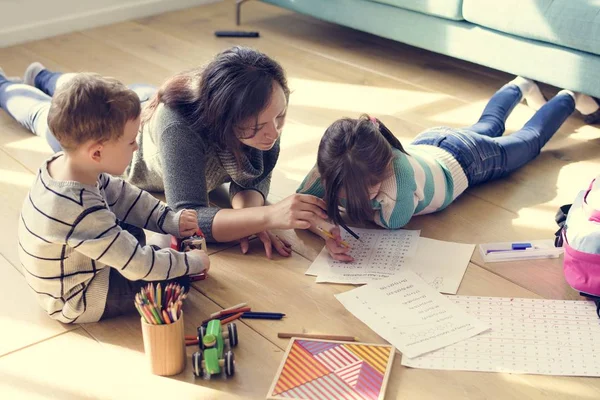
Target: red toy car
x,y
196,242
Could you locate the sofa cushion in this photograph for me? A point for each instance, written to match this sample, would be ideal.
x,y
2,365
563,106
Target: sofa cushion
x,y
568,23
450,9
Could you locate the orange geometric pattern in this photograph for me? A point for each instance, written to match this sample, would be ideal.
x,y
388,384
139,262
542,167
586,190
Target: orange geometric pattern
x,y
376,356
300,367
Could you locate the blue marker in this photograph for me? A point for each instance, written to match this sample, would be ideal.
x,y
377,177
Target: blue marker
x,y
521,246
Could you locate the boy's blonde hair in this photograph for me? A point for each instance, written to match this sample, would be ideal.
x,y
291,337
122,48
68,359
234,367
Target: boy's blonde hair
x,y
91,107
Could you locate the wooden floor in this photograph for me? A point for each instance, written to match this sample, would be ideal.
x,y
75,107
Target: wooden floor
x,y
333,72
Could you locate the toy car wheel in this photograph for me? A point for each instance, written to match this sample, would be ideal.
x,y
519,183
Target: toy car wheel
x,y
233,336
201,333
197,364
229,363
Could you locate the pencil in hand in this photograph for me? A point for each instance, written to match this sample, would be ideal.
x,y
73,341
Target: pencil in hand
x,y
330,236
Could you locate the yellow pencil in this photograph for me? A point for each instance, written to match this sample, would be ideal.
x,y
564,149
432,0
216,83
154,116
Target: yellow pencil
x,y
158,296
330,236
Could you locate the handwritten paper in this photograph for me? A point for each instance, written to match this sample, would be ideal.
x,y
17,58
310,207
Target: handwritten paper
x,y
377,255
531,336
442,265
410,314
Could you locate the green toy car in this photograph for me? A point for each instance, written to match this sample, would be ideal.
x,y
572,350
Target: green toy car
x,y
211,360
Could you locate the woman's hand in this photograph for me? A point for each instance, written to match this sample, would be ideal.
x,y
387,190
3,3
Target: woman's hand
x,y
283,247
336,249
188,223
297,211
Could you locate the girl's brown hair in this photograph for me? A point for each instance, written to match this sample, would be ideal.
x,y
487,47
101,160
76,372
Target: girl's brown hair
x,y
217,99
354,155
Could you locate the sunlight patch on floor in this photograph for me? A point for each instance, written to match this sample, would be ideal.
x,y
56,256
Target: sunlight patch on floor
x,y
31,143
16,178
358,98
552,385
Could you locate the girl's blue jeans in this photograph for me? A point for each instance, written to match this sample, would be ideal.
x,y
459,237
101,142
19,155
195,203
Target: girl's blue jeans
x,y
482,151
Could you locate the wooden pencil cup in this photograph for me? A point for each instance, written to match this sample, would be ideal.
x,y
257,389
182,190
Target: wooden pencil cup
x,y
164,346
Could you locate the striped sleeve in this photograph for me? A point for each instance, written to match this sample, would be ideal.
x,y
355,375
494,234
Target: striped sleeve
x,y
138,207
312,184
95,235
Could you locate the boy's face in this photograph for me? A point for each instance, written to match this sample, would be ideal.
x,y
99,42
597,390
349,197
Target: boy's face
x,y
117,153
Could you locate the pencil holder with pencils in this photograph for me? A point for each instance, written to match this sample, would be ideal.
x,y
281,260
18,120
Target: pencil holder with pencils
x,y
162,328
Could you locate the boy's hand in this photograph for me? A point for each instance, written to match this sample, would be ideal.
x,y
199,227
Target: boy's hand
x,y
203,256
188,223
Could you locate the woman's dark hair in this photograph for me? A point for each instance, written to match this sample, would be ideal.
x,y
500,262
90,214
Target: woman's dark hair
x,y
232,89
354,155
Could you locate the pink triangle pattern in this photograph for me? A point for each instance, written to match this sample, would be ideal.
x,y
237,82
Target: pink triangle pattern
x,y
337,358
350,373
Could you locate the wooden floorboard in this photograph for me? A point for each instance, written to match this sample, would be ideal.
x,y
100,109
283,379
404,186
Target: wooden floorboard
x,y
333,71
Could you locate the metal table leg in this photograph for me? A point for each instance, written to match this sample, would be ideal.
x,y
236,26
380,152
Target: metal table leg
x,y
238,11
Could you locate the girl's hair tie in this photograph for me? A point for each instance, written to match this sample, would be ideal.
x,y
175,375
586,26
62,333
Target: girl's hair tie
x,y
374,121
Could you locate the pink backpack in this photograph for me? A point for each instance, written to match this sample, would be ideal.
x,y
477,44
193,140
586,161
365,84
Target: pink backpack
x,y
580,236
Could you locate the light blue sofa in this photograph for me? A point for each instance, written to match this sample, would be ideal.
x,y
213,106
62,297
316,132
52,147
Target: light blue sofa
x,y
552,41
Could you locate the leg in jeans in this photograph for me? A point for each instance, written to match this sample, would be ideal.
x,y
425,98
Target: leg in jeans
x,y
122,291
497,111
493,158
525,144
29,107
485,158
48,81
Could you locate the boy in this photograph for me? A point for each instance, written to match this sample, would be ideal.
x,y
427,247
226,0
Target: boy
x,y
75,234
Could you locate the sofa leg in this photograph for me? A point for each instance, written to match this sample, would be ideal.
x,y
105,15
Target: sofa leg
x,y
238,11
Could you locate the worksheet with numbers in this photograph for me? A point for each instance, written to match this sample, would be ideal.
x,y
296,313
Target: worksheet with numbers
x,y
381,253
531,336
377,255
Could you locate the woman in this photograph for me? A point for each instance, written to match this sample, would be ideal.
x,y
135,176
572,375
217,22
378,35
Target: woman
x,y
202,128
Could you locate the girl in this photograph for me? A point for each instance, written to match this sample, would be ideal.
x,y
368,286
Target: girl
x,y
202,128
363,168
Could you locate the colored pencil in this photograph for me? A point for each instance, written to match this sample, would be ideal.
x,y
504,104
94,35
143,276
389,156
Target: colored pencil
x,y
262,315
330,236
350,231
141,313
159,304
282,335
166,317
232,318
158,296
218,313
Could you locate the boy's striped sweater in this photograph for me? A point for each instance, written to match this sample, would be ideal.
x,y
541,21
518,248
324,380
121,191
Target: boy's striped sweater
x,y
69,235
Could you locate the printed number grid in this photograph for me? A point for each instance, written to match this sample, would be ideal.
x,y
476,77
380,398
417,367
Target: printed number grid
x,y
376,253
549,337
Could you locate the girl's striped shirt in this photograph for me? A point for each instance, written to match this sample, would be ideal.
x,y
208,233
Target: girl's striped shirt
x,y
425,180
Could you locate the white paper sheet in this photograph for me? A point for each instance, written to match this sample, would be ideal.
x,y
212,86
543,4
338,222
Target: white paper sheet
x,y
532,336
377,255
441,264
410,314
